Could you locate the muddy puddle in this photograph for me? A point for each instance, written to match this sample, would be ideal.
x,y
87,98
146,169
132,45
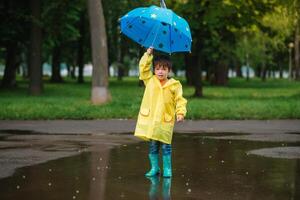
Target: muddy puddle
x,y
203,168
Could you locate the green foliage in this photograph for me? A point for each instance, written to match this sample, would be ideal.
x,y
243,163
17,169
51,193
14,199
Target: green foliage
x,y
59,19
223,31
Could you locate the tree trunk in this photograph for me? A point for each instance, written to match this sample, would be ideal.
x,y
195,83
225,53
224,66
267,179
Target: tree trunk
x,y
35,57
80,54
121,69
221,73
238,71
189,69
192,63
263,73
12,62
258,71
100,92
73,69
297,56
56,57
280,70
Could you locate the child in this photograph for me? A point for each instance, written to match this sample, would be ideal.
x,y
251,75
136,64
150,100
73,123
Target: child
x,y
161,102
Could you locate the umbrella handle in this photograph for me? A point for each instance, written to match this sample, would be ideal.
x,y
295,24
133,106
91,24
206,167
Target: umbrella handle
x,y
163,4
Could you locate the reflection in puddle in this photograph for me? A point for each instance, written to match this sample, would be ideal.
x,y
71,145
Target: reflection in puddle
x,y
155,188
203,169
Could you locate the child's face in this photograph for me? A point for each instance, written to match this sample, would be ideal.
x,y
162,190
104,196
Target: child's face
x,y
161,72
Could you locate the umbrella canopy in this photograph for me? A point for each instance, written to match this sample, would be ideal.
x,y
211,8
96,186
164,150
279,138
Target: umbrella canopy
x,y
158,27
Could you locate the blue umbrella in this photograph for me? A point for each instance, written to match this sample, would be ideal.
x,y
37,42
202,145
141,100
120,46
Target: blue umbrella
x,y
158,27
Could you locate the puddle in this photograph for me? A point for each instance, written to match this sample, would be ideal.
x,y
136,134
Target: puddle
x,y
203,168
279,152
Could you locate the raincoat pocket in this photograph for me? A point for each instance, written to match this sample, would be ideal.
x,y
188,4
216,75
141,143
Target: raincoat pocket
x,y
168,118
145,112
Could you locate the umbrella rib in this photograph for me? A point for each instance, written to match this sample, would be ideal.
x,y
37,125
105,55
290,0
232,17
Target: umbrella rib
x,y
147,35
170,27
155,34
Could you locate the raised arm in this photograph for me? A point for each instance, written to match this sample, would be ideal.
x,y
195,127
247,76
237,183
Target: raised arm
x,y
145,66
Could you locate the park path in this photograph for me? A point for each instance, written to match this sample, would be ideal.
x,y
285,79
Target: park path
x,y
127,126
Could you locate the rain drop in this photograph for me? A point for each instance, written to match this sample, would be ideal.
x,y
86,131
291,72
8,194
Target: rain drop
x,y
122,195
186,183
94,178
164,32
161,45
23,176
49,184
209,157
98,168
50,170
130,26
143,22
77,191
247,173
18,187
189,190
74,197
222,161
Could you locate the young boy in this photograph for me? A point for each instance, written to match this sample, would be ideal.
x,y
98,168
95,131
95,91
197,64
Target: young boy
x,y
161,102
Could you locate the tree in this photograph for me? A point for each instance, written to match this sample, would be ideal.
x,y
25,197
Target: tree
x,y
35,63
100,92
14,32
59,19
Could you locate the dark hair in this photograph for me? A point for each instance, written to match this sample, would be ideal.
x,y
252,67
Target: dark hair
x,y
162,60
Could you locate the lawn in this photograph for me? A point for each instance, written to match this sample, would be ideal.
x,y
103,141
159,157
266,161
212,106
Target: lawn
x,y
273,99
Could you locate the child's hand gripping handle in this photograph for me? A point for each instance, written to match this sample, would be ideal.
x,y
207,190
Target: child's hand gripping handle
x,y
150,51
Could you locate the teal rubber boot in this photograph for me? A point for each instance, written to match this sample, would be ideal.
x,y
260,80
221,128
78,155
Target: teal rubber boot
x,y
154,165
167,166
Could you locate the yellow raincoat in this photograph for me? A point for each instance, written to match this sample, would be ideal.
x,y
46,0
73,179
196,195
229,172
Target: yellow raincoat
x,y
159,105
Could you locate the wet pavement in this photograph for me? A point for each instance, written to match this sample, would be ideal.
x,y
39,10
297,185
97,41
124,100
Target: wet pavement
x,y
89,167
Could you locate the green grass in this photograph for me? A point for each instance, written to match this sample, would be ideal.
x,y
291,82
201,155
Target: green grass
x,y
274,99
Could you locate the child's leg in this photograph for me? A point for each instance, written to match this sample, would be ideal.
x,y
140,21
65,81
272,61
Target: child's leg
x,y
154,158
154,147
167,164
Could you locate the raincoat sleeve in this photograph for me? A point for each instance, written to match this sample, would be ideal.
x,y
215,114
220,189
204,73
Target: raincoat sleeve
x,y
145,67
180,101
